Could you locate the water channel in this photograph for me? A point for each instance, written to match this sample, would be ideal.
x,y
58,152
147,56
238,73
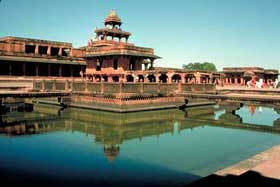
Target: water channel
x,y
170,147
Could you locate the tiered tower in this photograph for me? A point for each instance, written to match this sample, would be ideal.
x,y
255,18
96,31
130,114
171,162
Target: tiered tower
x,y
110,58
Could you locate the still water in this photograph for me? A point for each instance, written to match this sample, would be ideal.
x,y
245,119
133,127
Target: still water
x,y
171,147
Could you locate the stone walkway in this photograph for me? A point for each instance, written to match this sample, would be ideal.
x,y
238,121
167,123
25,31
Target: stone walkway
x,y
266,163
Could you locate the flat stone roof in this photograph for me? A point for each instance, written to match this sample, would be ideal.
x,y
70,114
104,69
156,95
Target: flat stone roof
x,y
31,40
249,69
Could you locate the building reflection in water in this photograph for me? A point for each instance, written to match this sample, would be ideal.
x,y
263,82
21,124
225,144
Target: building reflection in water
x,y
111,129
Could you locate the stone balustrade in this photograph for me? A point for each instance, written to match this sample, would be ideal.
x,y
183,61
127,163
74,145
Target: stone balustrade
x,y
121,88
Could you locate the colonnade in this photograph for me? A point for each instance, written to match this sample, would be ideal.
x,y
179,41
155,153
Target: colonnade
x,y
169,77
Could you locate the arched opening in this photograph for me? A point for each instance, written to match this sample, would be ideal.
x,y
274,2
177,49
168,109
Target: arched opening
x,y
105,78
90,78
132,64
163,78
116,79
190,79
176,78
140,78
97,78
129,78
116,64
98,65
152,78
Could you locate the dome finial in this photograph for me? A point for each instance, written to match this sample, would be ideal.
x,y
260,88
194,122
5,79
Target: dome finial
x,y
113,17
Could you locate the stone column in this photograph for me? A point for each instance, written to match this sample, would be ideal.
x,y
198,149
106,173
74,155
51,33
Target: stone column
x,y
235,80
60,52
157,78
24,69
49,70
110,79
226,80
135,78
71,70
60,70
10,69
183,79
71,52
37,70
49,50
37,49
146,78
242,81
152,63
197,78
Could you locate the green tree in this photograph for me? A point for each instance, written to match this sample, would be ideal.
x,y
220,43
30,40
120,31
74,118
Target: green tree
x,y
201,66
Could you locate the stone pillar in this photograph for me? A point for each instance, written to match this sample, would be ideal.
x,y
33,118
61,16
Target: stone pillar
x,y
226,80
71,69
230,81
60,70
10,69
24,69
152,63
37,70
71,52
37,49
146,78
183,78
242,81
110,79
157,78
169,78
197,78
235,80
49,70
49,50
60,52
135,78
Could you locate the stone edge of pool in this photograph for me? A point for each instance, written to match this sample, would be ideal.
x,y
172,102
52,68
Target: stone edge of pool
x,y
267,163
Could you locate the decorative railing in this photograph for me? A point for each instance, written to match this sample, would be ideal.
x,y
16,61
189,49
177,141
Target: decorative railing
x,y
121,88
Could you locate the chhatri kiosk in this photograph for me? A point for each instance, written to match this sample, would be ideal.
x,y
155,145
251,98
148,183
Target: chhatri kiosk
x,y
110,58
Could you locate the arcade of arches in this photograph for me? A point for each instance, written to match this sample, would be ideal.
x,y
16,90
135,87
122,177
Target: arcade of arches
x,y
157,77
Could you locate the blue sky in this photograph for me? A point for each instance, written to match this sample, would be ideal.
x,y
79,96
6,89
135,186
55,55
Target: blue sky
x,y
226,32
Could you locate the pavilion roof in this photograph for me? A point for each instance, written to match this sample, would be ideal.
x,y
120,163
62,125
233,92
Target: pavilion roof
x,y
113,17
112,32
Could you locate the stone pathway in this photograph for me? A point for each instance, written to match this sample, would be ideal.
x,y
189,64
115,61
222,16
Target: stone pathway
x,y
266,163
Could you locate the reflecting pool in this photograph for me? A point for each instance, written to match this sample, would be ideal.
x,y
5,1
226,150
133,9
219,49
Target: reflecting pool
x,y
170,147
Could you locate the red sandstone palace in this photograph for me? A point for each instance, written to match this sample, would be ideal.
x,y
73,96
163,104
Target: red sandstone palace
x,y
241,75
108,58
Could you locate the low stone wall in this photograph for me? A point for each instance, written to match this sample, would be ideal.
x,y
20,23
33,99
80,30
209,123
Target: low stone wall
x,y
122,88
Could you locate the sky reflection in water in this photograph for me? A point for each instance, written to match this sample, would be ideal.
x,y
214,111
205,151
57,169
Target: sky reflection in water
x,y
170,147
